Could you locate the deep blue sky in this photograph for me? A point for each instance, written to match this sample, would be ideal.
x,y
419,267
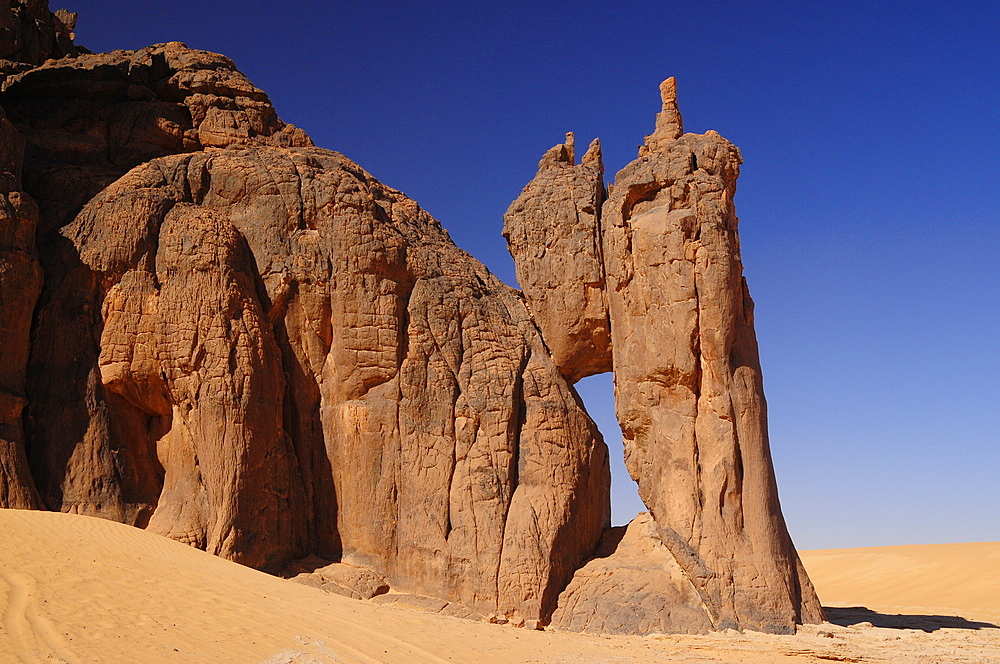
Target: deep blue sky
x,y
869,198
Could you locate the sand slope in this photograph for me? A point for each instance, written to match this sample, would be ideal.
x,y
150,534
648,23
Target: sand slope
x,y
75,589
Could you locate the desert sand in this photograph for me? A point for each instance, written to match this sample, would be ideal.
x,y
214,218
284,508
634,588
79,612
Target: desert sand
x,y
79,589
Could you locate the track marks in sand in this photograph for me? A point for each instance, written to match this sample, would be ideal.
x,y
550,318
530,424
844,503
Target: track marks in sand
x,y
33,637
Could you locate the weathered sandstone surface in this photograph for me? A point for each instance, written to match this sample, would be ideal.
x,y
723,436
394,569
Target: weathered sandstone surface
x,y
667,287
689,399
320,369
211,329
553,233
688,386
633,585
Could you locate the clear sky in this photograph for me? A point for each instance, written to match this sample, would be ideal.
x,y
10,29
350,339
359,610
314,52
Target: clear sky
x,y
869,199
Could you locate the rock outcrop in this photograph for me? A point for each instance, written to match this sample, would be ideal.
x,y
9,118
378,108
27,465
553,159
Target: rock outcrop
x,y
553,233
688,387
430,437
251,345
86,121
264,352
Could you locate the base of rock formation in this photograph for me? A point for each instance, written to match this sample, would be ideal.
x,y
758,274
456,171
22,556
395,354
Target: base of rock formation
x,y
633,585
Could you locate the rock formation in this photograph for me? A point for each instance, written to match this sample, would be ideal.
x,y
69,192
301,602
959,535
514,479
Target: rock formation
x,y
251,345
688,394
430,437
86,121
633,585
688,386
553,233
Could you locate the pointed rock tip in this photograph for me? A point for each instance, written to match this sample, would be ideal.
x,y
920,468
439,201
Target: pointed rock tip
x,y
669,124
593,155
668,92
563,153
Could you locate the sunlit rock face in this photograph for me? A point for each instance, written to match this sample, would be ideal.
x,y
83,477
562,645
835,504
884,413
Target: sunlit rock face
x,y
553,232
688,390
327,372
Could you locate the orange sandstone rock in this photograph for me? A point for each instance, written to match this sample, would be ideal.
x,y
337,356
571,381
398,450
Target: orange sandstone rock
x,y
446,454
553,233
688,387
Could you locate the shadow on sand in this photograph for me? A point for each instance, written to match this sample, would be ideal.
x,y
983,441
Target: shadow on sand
x,y
853,615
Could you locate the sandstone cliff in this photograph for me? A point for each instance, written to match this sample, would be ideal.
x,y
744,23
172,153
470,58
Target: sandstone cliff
x,y
216,331
264,352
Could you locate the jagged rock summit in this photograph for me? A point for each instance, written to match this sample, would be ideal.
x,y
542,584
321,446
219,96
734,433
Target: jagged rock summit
x,y
214,330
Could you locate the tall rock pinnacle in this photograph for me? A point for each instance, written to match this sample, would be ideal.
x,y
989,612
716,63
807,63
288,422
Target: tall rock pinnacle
x,y
688,387
688,394
669,125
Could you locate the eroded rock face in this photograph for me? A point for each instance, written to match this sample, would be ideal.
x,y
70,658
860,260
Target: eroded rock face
x,y
553,233
688,384
20,284
429,436
87,120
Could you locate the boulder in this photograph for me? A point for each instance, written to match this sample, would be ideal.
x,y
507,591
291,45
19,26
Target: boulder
x,y
633,585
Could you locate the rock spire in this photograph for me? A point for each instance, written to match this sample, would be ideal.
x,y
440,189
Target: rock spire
x,y
688,390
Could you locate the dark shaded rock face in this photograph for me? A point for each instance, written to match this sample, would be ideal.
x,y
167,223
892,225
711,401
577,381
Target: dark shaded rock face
x,y
30,34
20,284
213,330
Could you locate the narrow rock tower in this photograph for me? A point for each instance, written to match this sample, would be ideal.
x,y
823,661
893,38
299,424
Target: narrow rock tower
x,y
690,401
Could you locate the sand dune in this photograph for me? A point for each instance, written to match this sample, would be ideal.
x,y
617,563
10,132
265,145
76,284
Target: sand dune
x,y
75,589
945,579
